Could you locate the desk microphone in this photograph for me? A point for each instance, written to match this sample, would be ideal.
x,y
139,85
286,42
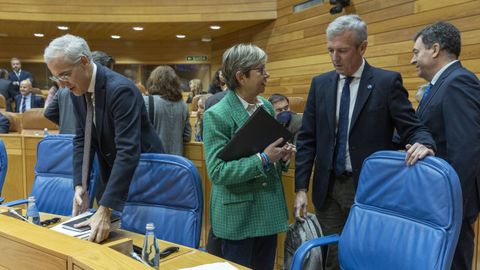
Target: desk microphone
x,y
11,211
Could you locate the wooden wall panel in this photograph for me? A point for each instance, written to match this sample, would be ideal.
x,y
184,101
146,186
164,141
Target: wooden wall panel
x,y
296,43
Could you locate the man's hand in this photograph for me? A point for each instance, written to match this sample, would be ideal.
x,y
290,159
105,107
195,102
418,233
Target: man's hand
x,y
99,224
300,206
416,152
289,151
81,201
274,152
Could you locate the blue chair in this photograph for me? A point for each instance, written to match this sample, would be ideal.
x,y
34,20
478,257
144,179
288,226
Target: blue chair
x,y
3,166
402,218
165,190
53,184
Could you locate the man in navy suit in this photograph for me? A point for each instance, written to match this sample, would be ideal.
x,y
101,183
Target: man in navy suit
x,y
121,129
450,108
27,100
17,75
350,113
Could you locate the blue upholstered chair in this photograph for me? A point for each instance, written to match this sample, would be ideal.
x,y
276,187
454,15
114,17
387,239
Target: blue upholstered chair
x,y
3,166
402,218
165,190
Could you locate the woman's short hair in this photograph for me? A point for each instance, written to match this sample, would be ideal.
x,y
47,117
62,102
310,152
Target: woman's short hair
x,y
163,81
241,58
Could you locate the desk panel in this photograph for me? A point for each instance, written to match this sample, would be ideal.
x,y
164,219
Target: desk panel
x,y
14,186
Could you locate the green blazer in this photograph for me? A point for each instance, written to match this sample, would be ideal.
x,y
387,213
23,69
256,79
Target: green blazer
x,y
246,200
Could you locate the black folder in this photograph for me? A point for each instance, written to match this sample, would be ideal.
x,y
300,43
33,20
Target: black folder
x,y
260,130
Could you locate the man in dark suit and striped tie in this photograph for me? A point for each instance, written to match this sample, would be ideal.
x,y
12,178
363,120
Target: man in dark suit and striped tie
x,y
27,100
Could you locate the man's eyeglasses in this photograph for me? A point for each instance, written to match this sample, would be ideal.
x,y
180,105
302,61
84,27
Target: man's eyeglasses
x,y
262,70
49,221
64,76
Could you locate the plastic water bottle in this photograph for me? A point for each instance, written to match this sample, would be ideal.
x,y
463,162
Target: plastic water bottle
x,y
45,131
32,211
150,252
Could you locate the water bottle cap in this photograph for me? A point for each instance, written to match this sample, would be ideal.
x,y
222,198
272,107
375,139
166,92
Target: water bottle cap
x,y
150,226
31,199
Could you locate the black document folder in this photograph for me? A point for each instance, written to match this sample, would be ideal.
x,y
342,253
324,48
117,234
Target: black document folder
x,y
260,130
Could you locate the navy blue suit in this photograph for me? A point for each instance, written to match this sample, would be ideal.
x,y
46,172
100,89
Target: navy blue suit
x,y
35,102
121,132
451,111
17,80
4,124
381,106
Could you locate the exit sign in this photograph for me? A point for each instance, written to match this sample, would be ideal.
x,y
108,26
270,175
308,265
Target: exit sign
x,y
196,58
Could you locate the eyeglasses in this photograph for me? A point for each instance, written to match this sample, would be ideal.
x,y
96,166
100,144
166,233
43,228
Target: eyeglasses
x,y
64,76
49,221
262,70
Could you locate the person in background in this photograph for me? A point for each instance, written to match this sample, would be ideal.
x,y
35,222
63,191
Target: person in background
x,y
4,124
103,59
120,131
18,75
219,95
170,112
284,116
247,202
450,108
196,87
6,89
351,112
217,84
27,100
198,134
51,94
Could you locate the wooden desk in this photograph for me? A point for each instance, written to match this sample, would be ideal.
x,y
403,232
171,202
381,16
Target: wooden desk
x,y
25,246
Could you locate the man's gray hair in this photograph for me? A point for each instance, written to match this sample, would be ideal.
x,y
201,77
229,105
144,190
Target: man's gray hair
x,y
346,23
69,46
241,57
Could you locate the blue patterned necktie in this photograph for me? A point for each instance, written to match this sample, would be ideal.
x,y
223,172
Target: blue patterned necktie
x,y
24,104
425,94
342,132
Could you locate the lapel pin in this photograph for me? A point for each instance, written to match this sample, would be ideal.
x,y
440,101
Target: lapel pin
x,y
369,87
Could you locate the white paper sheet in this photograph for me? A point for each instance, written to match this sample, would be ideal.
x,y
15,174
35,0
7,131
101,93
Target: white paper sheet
x,y
212,266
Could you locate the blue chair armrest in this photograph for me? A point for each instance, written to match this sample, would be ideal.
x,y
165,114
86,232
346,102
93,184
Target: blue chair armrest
x,y
16,202
1,200
302,251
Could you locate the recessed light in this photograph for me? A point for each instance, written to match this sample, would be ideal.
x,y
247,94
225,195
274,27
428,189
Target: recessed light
x,y
181,36
206,39
215,27
39,35
137,28
62,27
115,36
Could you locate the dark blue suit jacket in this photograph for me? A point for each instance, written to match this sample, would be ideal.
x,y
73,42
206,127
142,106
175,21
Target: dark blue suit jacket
x,y
4,124
122,131
35,102
381,106
451,111
16,80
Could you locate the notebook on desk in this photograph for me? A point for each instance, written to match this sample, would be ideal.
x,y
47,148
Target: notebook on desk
x,y
259,131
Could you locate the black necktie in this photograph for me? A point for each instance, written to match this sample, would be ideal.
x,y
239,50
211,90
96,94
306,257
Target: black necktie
x,y
87,142
342,132
24,104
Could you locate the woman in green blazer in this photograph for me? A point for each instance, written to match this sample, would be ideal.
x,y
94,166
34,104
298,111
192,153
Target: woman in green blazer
x,y
247,201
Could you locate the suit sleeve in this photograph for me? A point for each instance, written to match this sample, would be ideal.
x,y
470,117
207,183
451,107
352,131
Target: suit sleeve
x,y
4,124
306,142
126,114
461,109
406,122
52,112
187,131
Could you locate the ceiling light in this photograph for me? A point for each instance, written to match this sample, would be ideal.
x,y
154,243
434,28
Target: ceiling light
x,y
215,27
181,36
206,39
62,27
137,28
115,36
39,35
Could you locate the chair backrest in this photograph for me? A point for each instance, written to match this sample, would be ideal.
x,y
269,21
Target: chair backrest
x,y
165,190
33,122
15,120
403,217
296,104
53,184
3,164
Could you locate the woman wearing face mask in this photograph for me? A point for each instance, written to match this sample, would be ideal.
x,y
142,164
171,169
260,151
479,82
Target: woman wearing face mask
x,y
284,116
